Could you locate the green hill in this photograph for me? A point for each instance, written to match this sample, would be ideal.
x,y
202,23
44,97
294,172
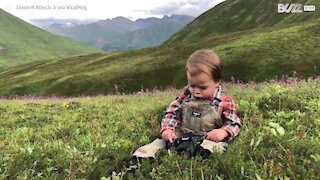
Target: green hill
x,y
239,15
255,54
21,42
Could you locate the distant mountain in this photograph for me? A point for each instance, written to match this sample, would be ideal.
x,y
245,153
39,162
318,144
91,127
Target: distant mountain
x,y
123,34
44,23
239,15
146,37
21,42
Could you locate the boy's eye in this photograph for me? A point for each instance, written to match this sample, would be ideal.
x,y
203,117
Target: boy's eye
x,y
203,87
200,87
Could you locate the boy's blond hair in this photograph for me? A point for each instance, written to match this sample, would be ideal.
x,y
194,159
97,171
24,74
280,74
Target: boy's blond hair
x,y
206,61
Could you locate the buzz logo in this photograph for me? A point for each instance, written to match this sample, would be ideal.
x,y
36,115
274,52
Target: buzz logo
x,y
289,8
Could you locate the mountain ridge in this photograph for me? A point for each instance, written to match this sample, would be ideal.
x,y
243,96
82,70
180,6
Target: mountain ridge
x,y
115,32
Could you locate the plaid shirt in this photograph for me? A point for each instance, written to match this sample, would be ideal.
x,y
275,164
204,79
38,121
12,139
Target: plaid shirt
x,y
225,106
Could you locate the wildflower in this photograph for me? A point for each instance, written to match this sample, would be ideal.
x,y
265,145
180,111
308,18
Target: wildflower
x,y
289,156
232,79
279,168
271,168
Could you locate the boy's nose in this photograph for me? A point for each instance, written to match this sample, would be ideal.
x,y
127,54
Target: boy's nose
x,y
196,92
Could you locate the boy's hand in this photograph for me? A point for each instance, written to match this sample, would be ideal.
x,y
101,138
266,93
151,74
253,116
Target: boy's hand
x,y
168,135
217,135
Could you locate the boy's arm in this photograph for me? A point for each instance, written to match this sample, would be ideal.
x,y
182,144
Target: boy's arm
x,y
231,124
172,116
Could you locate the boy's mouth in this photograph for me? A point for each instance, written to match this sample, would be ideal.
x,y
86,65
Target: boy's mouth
x,y
198,98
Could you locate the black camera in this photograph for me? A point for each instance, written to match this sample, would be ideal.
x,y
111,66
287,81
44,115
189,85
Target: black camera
x,y
190,144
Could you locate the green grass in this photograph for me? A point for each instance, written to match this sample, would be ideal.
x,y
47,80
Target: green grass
x,y
26,43
93,137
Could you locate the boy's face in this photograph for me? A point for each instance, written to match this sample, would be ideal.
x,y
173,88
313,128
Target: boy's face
x,y
202,85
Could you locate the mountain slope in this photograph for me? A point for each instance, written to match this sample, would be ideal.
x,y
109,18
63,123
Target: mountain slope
x,y
22,42
258,54
248,55
239,15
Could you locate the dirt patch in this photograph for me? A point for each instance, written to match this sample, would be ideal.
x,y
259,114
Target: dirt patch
x,y
2,48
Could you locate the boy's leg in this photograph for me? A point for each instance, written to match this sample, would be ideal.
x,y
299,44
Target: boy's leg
x,y
214,146
149,150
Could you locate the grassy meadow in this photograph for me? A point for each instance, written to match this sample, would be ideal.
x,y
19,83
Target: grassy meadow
x,y
93,137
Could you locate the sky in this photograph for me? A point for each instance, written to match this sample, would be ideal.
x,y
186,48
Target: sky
x,y
104,9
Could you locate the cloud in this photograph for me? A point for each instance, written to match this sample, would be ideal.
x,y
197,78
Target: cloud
x,y
184,7
97,9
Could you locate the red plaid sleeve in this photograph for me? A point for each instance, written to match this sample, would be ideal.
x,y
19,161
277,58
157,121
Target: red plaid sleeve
x,y
228,111
173,114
